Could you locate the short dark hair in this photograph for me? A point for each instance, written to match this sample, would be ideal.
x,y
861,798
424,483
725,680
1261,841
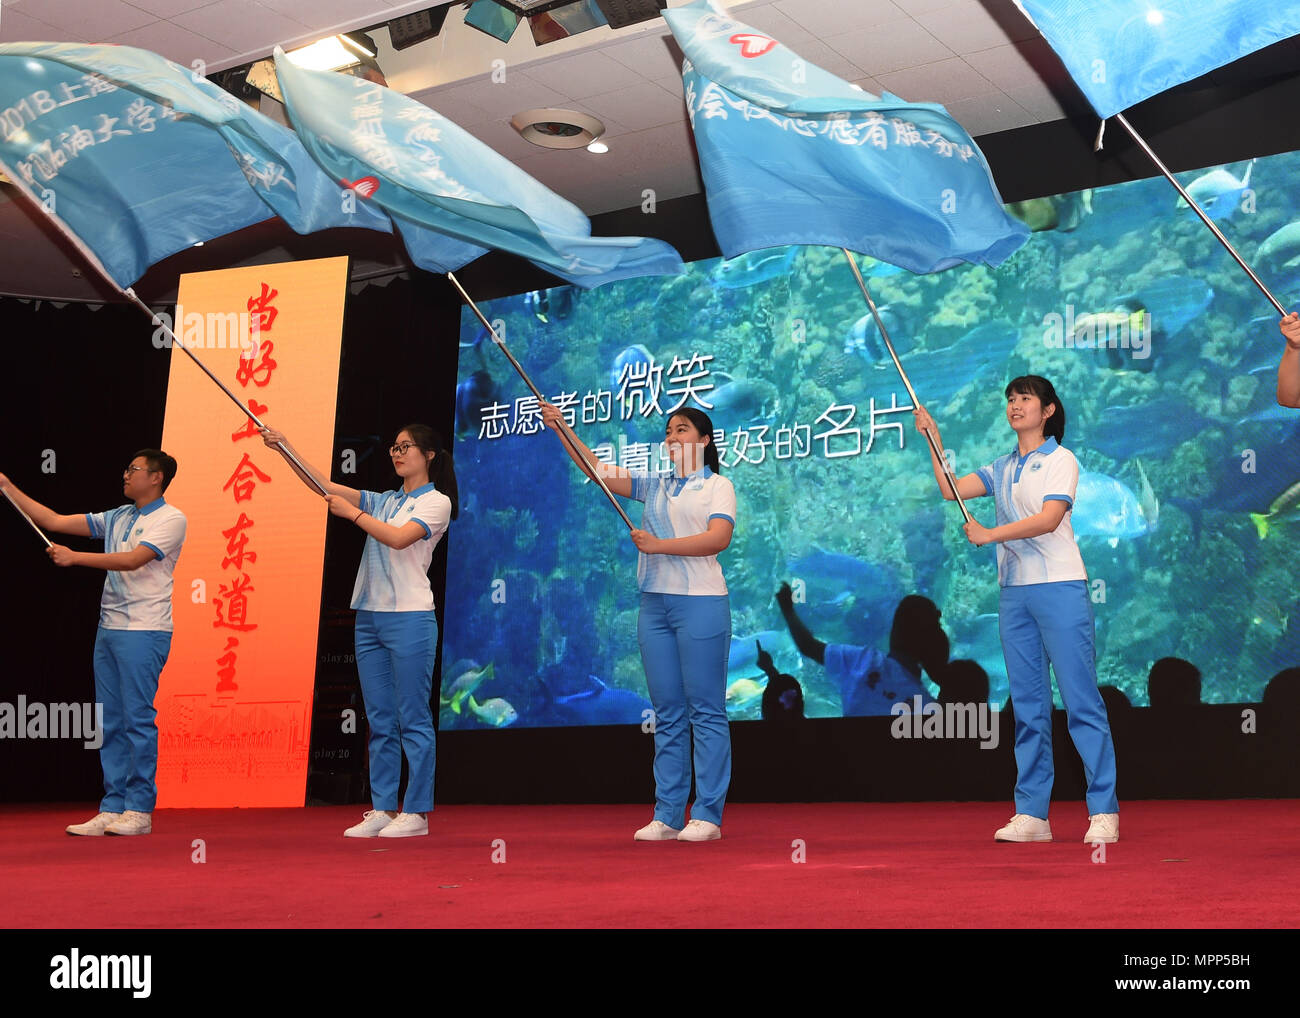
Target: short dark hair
x,y
1037,385
158,461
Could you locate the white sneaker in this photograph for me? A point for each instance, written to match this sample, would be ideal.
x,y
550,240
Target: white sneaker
x,y
700,830
372,822
1103,827
1023,827
656,830
406,825
131,822
93,827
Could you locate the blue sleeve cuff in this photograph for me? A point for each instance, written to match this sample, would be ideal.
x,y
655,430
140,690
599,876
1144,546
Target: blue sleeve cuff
x,y
721,516
1059,498
986,480
90,522
154,548
427,532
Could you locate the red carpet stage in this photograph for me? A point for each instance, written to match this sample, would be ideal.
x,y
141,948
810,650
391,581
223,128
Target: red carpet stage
x,y
1223,864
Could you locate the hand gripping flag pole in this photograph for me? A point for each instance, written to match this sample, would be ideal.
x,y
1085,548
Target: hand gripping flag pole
x,y
884,334
565,432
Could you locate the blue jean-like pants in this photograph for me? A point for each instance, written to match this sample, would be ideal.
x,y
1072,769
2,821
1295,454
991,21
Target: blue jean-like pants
x,y
1042,622
127,665
685,640
395,658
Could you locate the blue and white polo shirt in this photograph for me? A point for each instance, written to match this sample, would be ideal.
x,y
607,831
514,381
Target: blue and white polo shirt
x,y
1021,486
390,580
682,507
141,598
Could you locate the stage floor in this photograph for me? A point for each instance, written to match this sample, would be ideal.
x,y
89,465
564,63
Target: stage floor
x,y
1180,864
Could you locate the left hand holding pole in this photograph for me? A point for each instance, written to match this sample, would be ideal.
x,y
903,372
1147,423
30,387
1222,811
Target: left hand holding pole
x,y
60,555
977,534
340,506
645,542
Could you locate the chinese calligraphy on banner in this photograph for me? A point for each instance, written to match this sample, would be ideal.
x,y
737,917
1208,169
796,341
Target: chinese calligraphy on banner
x,y
234,702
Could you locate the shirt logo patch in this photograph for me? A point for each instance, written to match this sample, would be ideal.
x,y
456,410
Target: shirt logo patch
x,y
1035,468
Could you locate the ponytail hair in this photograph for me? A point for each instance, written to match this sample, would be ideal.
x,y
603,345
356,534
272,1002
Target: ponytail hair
x,y
443,472
704,426
1036,385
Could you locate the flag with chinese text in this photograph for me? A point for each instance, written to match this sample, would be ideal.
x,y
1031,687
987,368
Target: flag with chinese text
x,y
792,154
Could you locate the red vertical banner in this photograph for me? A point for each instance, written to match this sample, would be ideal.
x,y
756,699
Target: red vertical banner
x,y
234,701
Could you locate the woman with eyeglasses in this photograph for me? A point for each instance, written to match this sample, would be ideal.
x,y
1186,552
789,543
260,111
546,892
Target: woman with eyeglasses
x,y
396,629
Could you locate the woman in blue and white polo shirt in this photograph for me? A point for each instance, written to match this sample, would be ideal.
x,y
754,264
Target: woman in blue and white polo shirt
x,y
1045,615
396,629
684,626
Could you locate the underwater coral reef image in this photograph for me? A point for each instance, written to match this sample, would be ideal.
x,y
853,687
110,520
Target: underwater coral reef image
x,y
1164,356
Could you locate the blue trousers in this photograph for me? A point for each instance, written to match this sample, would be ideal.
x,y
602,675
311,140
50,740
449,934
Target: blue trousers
x,y
684,642
1052,622
127,665
395,658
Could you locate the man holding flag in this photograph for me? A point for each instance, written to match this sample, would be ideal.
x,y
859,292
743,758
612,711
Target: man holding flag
x,y
142,541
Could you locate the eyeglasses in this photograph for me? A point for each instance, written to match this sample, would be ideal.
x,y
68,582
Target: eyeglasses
x,y
401,450
132,469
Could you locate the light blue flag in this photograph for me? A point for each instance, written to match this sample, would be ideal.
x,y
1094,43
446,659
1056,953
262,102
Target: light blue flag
x,y
140,157
435,180
792,154
1120,52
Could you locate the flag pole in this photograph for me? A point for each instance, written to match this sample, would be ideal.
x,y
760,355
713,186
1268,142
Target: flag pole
x,y
176,344
565,432
39,531
884,334
129,294
1204,218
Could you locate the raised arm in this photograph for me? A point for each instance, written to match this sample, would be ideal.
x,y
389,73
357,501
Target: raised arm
x,y
273,439
616,478
969,486
44,517
809,646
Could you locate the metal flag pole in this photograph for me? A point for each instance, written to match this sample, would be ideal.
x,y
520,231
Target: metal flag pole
x,y
31,522
176,344
1204,218
129,294
565,432
907,383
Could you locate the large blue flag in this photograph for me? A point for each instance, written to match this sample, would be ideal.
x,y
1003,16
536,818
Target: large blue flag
x,y
141,158
792,154
437,180
1120,52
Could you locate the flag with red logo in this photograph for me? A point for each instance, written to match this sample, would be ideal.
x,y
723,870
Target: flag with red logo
x,y
791,154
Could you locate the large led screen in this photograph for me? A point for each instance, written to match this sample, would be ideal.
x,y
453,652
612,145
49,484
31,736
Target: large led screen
x,y
1163,352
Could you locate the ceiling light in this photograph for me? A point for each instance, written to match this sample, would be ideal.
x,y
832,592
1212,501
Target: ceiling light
x,y
326,55
598,146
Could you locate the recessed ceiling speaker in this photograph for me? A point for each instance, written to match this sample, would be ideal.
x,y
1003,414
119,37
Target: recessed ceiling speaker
x,y
552,128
